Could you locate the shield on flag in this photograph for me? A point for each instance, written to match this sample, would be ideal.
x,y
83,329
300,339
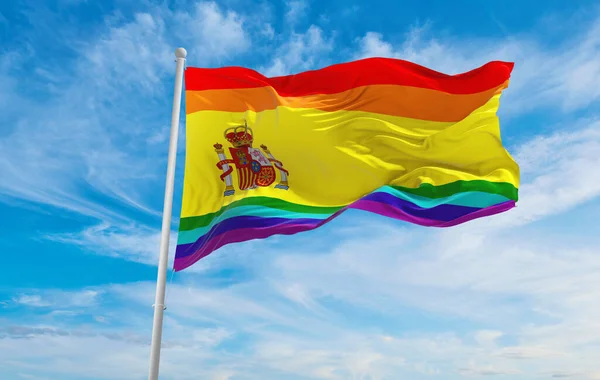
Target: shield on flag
x,y
265,174
253,168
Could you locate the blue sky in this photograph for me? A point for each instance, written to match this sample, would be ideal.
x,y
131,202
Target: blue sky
x,y
85,109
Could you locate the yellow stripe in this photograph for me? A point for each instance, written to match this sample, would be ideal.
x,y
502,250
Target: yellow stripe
x,y
336,157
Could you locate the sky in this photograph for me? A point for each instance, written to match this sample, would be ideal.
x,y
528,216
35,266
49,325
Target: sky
x,y
85,109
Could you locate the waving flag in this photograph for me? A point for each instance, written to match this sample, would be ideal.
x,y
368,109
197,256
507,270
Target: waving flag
x,y
267,156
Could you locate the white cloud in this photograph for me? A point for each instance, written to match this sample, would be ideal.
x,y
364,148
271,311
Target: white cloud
x,y
59,299
524,352
303,51
212,33
133,243
90,140
487,337
31,300
296,9
485,370
56,146
134,54
372,45
308,346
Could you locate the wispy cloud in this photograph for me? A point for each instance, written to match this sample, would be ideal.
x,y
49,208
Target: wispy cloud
x,y
58,299
213,33
132,243
488,370
89,148
31,300
296,9
203,337
302,51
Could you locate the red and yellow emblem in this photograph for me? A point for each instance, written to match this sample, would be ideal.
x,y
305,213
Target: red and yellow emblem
x,y
254,167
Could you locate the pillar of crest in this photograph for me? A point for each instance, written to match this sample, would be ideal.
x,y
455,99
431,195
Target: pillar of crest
x,y
283,184
229,190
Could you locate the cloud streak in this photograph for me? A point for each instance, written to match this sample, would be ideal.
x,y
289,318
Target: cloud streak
x,y
89,148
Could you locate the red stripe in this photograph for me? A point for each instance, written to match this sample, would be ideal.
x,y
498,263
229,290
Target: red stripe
x,y
247,177
345,76
244,176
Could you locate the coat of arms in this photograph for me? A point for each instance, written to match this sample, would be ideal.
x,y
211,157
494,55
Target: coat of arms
x,y
254,167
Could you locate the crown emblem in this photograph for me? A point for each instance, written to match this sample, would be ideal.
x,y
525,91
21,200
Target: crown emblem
x,y
239,136
255,168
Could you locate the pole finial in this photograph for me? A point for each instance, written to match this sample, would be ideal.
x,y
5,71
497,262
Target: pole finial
x,y
180,53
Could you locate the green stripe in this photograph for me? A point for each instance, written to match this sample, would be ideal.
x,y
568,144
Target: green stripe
x,y
430,191
424,196
470,199
193,222
190,236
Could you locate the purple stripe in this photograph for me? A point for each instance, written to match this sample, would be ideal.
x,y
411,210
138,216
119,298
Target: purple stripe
x,y
393,212
482,212
187,254
241,222
380,203
443,212
396,213
240,235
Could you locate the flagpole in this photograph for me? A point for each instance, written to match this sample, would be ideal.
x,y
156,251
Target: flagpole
x,y
163,259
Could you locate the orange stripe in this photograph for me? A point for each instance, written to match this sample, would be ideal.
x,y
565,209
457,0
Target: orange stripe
x,y
402,101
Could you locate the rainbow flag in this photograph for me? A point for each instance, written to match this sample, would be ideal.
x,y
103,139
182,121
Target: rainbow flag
x,y
267,156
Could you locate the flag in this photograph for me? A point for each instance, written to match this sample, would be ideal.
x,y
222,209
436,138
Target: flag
x,y
282,155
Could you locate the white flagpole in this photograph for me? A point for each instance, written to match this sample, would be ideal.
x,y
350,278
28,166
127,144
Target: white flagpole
x,y
163,260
